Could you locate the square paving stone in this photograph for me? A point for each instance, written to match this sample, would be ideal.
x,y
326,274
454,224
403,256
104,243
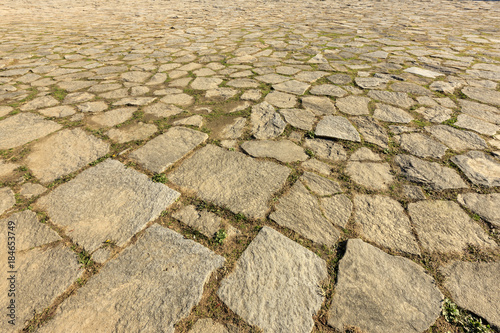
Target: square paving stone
x,y
148,288
24,127
275,284
231,179
107,201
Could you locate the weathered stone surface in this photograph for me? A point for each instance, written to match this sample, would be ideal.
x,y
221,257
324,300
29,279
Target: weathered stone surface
x,y
178,99
431,174
93,106
284,150
166,149
7,169
23,128
326,149
299,118
337,127
39,103
483,95
399,99
421,145
382,220
391,114
162,110
328,90
381,293
375,176
474,286
281,100
231,179
30,190
435,114
292,87
58,111
300,211
135,76
206,83
138,131
442,226
423,72
476,125
485,205
107,201
63,153
255,290
480,168
320,185
5,110
251,95
364,154
353,105
113,117
266,122
243,83
411,88
205,222
195,120
372,131
207,325
235,129
481,111
456,139
318,105
74,98
337,209
7,199
160,276
413,192
134,101
317,166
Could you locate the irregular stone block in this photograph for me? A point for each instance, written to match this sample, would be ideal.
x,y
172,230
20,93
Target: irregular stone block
x,y
24,127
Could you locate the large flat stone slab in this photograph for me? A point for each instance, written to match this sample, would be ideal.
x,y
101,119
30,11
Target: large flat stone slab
x,y
231,179
266,122
442,226
63,153
456,139
107,201
421,145
7,199
24,127
483,95
380,293
149,287
480,168
485,205
337,127
373,175
166,149
284,151
256,292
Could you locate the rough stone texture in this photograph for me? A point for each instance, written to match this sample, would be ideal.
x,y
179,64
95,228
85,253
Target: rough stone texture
x,y
39,103
299,118
375,176
160,276
138,131
256,292
320,185
372,131
481,111
364,154
178,99
196,121
413,192
299,210
483,95
318,105
476,125
474,286
166,149
63,153
442,226
337,209
58,111
326,149
480,168
30,190
205,222
107,201
206,83
281,100
162,110
292,87
7,199
423,72
284,150
5,110
231,179
381,293
23,128
7,169
337,127
328,90
207,325
395,98
317,166
234,130
436,114
422,146
113,117
456,139
485,205
391,114
266,122
431,174
382,220
353,105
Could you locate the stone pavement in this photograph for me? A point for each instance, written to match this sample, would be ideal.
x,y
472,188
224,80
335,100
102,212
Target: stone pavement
x,y
249,166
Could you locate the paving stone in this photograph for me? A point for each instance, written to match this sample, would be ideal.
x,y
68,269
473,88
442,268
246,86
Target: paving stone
x,y
196,121
476,125
243,83
284,150
398,99
224,93
435,114
326,149
421,145
107,201
7,169
134,101
382,220
281,100
134,132
317,166
299,118
391,114
485,205
75,98
442,226
115,94
205,222
380,293
253,290
113,117
338,128
372,131
364,154
481,111
266,122
5,110
456,139
292,87
251,95
483,95
30,190
474,287
413,192
320,185
337,209
207,325
58,111
206,83
272,78
235,129
411,88
40,103
136,76
178,99
166,149
24,127
162,110
328,90
318,105
310,76
72,86
353,105
172,271
480,168
375,176
423,72
212,172
7,199
63,153
340,78
431,174
370,82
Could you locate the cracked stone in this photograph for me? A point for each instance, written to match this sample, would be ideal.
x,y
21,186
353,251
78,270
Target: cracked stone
x,y
353,105
375,176
284,150
24,127
480,168
266,122
338,128
487,206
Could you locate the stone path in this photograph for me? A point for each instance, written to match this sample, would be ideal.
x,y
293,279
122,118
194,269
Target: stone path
x,y
248,166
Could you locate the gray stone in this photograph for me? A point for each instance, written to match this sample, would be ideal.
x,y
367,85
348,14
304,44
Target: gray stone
x,y
435,114
58,111
399,99
364,154
317,166
431,174
391,114
423,72
480,168
24,127
375,176
382,220
476,125
138,131
413,192
338,128
206,83
483,95
326,149
107,201
40,103
63,153
380,293
161,276
474,286
299,118
337,209
162,110
318,105
113,117
195,120
30,190
7,199
340,79
255,290
372,131
485,205
320,185
421,145
481,111
74,98
166,149
284,150
353,105
266,122
272,78
231,179
205,222
300,211
442,226
207,325
328,90
443,87
281,100
292,87
235,129
456,139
